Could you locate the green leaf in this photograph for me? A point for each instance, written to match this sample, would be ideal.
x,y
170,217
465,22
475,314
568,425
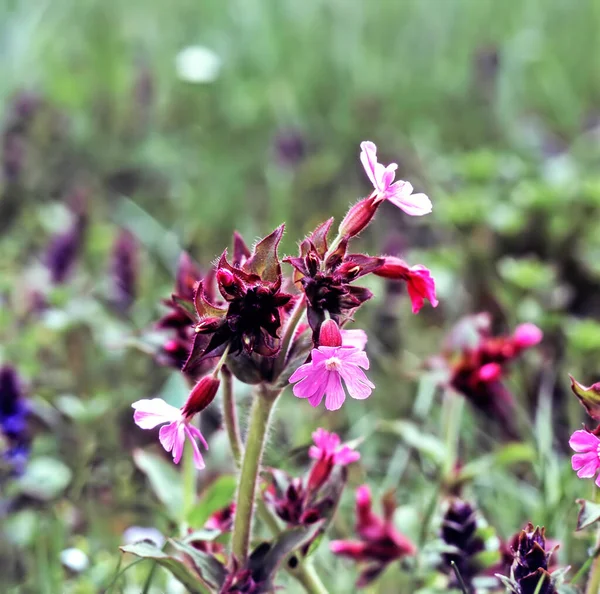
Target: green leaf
x,y
216,496
512,453
265,566
264,261
589,513
164,480
186,306
411,434
45,478
177,567
211,570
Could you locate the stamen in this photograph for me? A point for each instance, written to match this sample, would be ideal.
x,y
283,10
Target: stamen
x,y
333,364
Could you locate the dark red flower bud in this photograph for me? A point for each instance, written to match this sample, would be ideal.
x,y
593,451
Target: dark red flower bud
x,y
329,334
202,394
359,216
230,286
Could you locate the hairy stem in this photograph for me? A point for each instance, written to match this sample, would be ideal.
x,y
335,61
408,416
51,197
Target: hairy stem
x,y
260,414
593,584
230,416
305,574
288,335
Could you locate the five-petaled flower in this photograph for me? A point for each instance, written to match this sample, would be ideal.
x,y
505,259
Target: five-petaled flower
x,y
380,543
587,459
177,422
330,364
398,193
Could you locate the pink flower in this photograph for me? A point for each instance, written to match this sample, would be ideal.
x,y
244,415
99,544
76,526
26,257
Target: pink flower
x,y
527,335
150,413
587,460
323,376
380,543
329,446
419,282
328,452
398,193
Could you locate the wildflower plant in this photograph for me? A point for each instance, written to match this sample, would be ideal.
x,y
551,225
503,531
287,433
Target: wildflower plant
x,y
275,322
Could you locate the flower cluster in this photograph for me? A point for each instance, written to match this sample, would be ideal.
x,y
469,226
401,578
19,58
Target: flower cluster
x,y
380,543
460,533
301,501
529,570
477,363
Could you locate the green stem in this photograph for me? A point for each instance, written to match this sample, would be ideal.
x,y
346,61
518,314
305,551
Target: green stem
x,y
593,584
230,417
260,414
452,409
305,574
288,335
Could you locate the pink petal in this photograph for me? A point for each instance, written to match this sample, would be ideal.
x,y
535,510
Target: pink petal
x,y
314,382
355,357
179,442
198,460
314,452
195,432
334,393
368,158
167,435
354,338
578,461
358,385
584,441
346,455
150,413
400,194
316,398
388,175
590,469
300,373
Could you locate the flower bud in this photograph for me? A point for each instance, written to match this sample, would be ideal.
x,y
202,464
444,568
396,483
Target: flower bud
x,y
330,334
589,396
359,216
527,335
202,394
229,285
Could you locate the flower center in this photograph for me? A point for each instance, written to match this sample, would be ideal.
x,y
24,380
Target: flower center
x,y
333,364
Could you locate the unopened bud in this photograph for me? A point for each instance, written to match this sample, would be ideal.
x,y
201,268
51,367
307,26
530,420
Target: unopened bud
x,y
359,216
589,396
202,394
330,334
229,285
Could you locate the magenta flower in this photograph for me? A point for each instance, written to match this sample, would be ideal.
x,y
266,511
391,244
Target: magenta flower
x,y
355,338
150,413
587,460
323,376
398,193
329,446
419,282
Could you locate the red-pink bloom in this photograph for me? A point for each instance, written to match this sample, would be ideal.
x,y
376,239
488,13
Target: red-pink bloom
x,y
323,376
328,452
398,193
150,413
527,335
419,282
379,542
329,446
587,460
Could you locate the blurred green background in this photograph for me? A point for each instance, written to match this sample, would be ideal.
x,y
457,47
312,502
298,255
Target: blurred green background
x,y
185,121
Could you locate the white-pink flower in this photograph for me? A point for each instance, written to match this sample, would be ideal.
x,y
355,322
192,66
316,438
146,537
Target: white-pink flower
x,y
398,193
323,375
150,413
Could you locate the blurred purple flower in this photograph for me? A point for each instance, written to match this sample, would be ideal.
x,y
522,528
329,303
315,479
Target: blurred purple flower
x,y
290,147
13,418
124,271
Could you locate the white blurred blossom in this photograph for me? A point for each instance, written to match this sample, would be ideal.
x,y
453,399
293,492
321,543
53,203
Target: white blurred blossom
x,y
197,64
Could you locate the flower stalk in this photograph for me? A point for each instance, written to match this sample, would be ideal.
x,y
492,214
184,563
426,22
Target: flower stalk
x,y
593,584
260,415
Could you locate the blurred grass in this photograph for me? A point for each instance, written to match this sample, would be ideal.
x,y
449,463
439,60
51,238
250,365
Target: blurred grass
x,y
488,106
